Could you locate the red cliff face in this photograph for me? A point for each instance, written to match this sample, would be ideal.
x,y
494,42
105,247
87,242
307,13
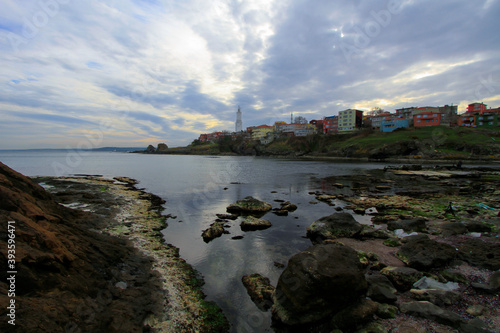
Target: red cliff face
x,y
66,274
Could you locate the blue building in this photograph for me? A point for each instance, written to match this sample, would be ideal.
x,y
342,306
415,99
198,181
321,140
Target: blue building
x,y
391,124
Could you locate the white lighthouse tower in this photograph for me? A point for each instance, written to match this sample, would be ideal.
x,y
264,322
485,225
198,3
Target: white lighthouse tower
x,y
238,125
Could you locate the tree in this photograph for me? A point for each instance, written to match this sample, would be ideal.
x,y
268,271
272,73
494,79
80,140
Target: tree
x,y
300,120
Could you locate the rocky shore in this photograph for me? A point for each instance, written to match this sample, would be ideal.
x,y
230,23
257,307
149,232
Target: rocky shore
x,y
96,263
429,261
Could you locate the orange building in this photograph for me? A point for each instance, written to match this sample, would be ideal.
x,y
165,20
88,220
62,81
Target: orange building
x,y
424,119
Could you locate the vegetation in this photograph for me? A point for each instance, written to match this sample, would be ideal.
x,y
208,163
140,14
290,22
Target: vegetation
x,y
416,143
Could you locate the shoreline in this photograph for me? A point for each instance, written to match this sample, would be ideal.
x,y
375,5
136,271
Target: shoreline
x,y
135,216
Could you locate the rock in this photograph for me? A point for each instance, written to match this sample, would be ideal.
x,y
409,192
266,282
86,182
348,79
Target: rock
x,y
380,289
477,227
383,187
227,216
387,311
475,325
260,290
476,310
481,253
280,212
402,278
253,223
288,206
318,282
454,276
370,232
492,286
162,147
436,296
371,211
428,283
453,228
150,149
249,205
278,265
334,226
215,230
121,285
372,328
430,311
237,237
424,254
408,225
355,316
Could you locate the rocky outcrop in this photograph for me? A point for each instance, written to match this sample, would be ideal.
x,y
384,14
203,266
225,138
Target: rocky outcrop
x,y
424,254
402,278
249,206
317,283
408,225
251,223
215,230
380,289
334,226
481,253
428,310
260,290
162,147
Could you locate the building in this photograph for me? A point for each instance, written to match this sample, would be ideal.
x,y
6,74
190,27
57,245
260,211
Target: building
x,y
350,120
449,115
212,137
377,119
331,125
261,131
489,118
390,124
424,119
239,124
318,124
476,107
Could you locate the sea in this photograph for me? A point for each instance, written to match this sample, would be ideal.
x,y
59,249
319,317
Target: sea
x,y
196,188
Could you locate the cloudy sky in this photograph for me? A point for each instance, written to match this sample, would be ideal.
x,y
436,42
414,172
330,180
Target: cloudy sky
x,y
77,73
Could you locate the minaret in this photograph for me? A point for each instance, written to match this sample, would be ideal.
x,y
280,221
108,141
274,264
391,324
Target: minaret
x,y
239,125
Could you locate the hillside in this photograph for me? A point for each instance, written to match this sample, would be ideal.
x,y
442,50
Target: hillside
x,y
431,143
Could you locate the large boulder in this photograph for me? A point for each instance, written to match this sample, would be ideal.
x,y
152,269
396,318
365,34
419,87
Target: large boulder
x,y
216,230
430,311
355,316
408,225
249,206
253,223
481,253
380,289
402,278
318,282
162,147
424,254
259,289
334,226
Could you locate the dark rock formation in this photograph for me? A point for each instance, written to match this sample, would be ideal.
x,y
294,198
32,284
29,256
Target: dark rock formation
x,y
66,275
260,290
453,228
334,226
418,225
250,206
150,150
253,223
380,289
318,282
430,311
355,316
215,230
424,254
438,297
481,253
402,278
162,147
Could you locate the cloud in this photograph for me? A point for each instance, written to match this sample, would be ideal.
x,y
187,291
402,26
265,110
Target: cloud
x,y
165,70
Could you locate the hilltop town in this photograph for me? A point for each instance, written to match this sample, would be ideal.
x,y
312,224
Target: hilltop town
x,y
352,120
414,134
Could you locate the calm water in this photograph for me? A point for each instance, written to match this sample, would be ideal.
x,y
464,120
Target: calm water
x,y
198,187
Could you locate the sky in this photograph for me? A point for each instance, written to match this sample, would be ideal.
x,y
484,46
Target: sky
x,y
130,73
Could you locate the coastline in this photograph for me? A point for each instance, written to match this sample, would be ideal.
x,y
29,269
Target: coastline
x,y
90,257
138,219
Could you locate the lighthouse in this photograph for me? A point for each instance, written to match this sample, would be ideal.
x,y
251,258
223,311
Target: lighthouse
x,y
238,124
